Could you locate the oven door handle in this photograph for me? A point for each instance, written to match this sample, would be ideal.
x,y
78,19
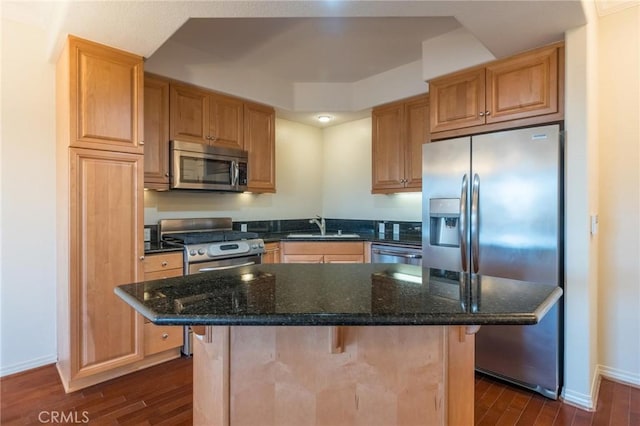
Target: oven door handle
x,y
220,268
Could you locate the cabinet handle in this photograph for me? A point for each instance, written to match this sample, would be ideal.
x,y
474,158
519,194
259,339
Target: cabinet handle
x,y
165,336
164,263
141,142
487,112
481,114
166,175
214,138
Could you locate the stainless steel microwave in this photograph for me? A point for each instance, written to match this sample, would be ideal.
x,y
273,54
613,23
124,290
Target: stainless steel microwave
x,y
205,167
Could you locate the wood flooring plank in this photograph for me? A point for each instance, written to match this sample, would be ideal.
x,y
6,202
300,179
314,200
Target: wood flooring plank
x,y
162,395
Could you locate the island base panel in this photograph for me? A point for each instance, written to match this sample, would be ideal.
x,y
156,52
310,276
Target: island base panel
x,y
382,375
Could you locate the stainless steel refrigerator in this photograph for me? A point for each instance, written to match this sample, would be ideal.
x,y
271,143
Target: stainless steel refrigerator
x,y
492,205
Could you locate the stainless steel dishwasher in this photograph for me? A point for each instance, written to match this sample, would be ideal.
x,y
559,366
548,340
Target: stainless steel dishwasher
x,y
392,253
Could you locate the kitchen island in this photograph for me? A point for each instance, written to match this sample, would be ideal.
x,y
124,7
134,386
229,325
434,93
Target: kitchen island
x,y
336,344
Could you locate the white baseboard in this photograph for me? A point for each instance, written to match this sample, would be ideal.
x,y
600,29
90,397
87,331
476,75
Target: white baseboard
x,y
588,402
620,376
5,370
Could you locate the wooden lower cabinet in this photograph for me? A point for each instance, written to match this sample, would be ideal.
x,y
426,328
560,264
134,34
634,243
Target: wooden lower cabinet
x,y
323,252
99,333
271,253
334,375
163,338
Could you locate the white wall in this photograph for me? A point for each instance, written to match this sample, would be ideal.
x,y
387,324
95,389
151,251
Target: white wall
x,y
581,313
346,192
27,265
619,154
299,170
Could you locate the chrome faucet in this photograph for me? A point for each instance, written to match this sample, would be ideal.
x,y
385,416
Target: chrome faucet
x,y
320,223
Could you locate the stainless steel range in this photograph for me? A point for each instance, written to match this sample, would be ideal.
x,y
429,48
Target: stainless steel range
x,y
210,244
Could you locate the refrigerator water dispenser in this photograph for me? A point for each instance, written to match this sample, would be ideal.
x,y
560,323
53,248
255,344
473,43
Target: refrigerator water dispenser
x,y
444,214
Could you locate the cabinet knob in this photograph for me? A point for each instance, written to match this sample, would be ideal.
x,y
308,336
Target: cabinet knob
x,y
166,175
141,257
141,142
164,263
165,336
481,114
487,112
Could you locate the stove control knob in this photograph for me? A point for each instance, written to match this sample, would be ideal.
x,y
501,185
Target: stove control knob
x,y
261,245
254,246
201,252
192,253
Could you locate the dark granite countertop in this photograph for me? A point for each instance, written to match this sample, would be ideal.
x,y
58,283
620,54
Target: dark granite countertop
x,y
338,294
400,239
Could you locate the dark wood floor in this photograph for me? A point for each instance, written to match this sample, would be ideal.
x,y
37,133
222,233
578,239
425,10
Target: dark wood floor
x,y
161,395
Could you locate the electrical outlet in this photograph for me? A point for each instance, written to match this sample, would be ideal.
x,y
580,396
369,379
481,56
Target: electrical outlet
x,y
243,227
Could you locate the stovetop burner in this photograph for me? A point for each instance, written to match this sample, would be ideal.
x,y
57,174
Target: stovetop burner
x,y
209,237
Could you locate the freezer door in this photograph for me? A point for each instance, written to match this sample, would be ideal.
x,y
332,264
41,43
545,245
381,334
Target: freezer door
x,y
515,219
446,167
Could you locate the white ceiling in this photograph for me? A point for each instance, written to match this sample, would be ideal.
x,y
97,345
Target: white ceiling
x,y
332,42
327,50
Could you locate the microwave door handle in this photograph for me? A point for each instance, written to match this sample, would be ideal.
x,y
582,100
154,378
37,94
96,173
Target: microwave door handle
x,y
234,173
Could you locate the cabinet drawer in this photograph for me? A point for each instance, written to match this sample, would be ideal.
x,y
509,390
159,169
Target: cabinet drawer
x,y
159,338
161,262
165,273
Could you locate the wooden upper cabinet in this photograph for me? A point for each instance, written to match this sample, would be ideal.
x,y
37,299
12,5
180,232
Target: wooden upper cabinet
x,y
521,90
457,100
226,124
416,134
206,117
399,130
388,146
259,141
523,86
189,114
106,92
156,133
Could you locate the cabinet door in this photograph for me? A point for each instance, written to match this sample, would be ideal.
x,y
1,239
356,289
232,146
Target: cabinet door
x,y
457,100
106,94
387,147
259,141
417,133
271,253
189,108
523,86
226,121
106,223
344,258
156,133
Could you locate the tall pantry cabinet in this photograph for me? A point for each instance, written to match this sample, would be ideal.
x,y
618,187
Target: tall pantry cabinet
x,y
100,166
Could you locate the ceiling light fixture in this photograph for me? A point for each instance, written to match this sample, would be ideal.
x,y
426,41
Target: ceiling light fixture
x,y
325,118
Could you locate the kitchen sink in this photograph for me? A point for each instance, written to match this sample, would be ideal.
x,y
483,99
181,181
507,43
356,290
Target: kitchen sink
x,y
319,236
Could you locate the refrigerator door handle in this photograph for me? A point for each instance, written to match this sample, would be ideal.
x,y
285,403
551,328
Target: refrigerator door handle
x,y
475,223
462,222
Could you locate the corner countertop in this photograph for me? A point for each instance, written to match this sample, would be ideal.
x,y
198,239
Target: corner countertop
x,y
339,294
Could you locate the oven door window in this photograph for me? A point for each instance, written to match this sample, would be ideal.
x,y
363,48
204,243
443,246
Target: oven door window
x,y
206,171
